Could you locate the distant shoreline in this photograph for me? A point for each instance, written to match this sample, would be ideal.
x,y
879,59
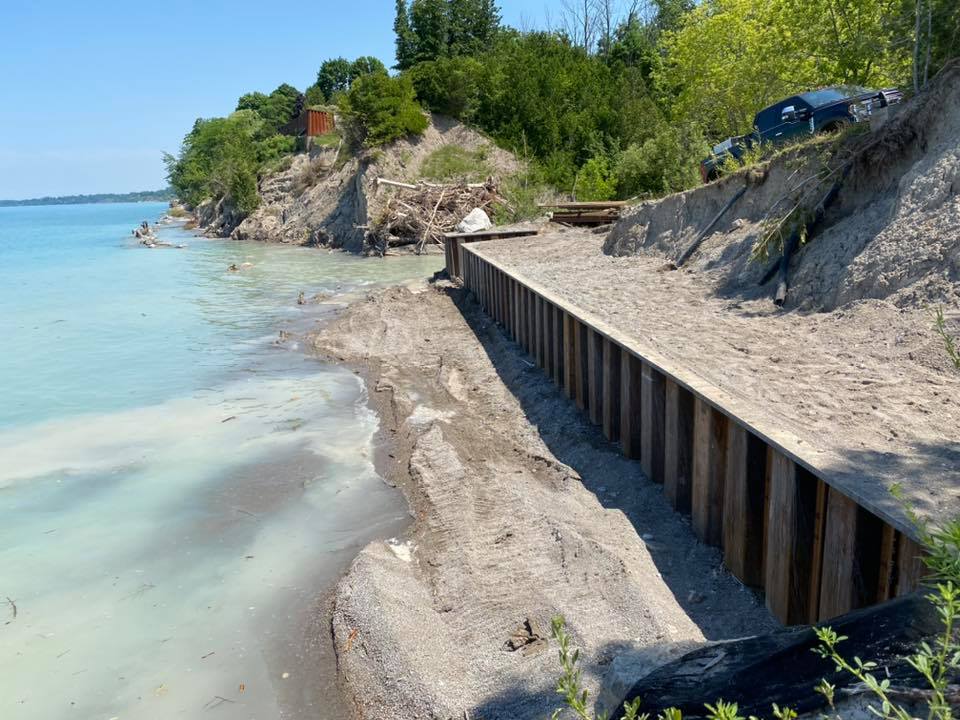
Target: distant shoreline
x,y
95,199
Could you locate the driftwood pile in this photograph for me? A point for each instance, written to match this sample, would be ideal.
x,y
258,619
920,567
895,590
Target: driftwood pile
x,y
422,213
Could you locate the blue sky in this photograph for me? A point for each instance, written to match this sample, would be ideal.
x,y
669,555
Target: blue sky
x,y
94,92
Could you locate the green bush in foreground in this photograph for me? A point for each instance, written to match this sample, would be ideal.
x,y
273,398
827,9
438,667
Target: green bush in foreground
x,y
935,662
379,109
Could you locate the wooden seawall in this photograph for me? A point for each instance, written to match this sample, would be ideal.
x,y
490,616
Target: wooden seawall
x,y
782,527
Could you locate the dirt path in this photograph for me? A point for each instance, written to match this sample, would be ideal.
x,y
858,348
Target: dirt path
x,y
522,511
866,388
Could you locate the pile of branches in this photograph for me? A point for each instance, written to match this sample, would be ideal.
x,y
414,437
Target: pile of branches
x,y
422,213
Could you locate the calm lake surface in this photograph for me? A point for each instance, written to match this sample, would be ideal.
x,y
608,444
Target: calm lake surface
x,y
177,488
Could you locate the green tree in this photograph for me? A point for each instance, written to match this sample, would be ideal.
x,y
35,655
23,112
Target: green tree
x,y
218,159
730,58
314,96
275,109
364,66
405,41
473,26
595,181
666,162
430,25
379,109
671,14
450,86
333,77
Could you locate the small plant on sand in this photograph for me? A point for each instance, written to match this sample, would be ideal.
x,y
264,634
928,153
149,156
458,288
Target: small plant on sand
x,y
569,685
950,342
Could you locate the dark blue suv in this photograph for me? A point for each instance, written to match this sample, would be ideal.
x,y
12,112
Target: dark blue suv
x,y
826,110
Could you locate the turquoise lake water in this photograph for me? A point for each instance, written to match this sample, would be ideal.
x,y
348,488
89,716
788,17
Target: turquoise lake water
x,y
177,487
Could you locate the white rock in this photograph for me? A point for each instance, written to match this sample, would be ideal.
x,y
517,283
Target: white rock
x,y
475,221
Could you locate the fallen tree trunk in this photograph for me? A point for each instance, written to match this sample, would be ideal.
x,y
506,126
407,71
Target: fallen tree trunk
x,y
782,668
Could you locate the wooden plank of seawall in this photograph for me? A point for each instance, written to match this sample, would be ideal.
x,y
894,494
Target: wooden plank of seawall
x,y
743,506
594,376
531,324
558,346
816,554
652,422
838,584
505,302
611,390
781,535
631,386
709,469
910,567
546,347
886,577
537,330
791,562
524,319
517,323
580,363
569,355
678,445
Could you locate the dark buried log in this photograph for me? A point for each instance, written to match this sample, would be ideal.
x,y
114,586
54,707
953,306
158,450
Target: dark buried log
x,y
782,668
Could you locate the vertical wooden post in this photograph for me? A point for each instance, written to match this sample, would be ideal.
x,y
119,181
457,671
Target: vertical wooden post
x,y
546,347
611,390
570,356
781,535
910,567
838,587
792,529
525,319
595,376
631,386
558,346
678,446
537,330
887,576
743,509
709,468
652,423
531,323
515,291
581,353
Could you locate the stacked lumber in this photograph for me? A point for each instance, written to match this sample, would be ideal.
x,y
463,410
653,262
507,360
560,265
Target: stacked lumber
x,y
586,213
425,212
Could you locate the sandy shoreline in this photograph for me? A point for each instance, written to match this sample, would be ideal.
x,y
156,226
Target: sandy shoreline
x,y
521,512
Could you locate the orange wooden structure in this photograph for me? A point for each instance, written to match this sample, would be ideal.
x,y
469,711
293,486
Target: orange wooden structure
x,y
310,123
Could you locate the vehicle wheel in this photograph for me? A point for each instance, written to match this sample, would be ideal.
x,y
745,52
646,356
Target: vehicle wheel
x,y
834,126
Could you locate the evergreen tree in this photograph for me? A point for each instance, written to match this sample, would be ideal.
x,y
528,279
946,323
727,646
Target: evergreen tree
x,y
430,24
473,26
406,43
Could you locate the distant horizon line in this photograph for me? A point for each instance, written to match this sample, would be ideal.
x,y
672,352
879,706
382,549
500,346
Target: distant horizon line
x,y
163,194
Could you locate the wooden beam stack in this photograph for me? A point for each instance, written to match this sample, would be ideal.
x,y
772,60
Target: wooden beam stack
x,y
586,213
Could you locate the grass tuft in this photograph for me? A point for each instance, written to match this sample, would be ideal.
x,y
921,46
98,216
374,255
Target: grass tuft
x,y
452,162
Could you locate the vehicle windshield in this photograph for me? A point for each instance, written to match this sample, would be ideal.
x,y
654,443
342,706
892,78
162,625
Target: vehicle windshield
x,y
819,98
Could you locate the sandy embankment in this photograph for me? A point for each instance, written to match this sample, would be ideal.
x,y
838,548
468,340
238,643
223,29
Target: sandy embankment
x,y
522,511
